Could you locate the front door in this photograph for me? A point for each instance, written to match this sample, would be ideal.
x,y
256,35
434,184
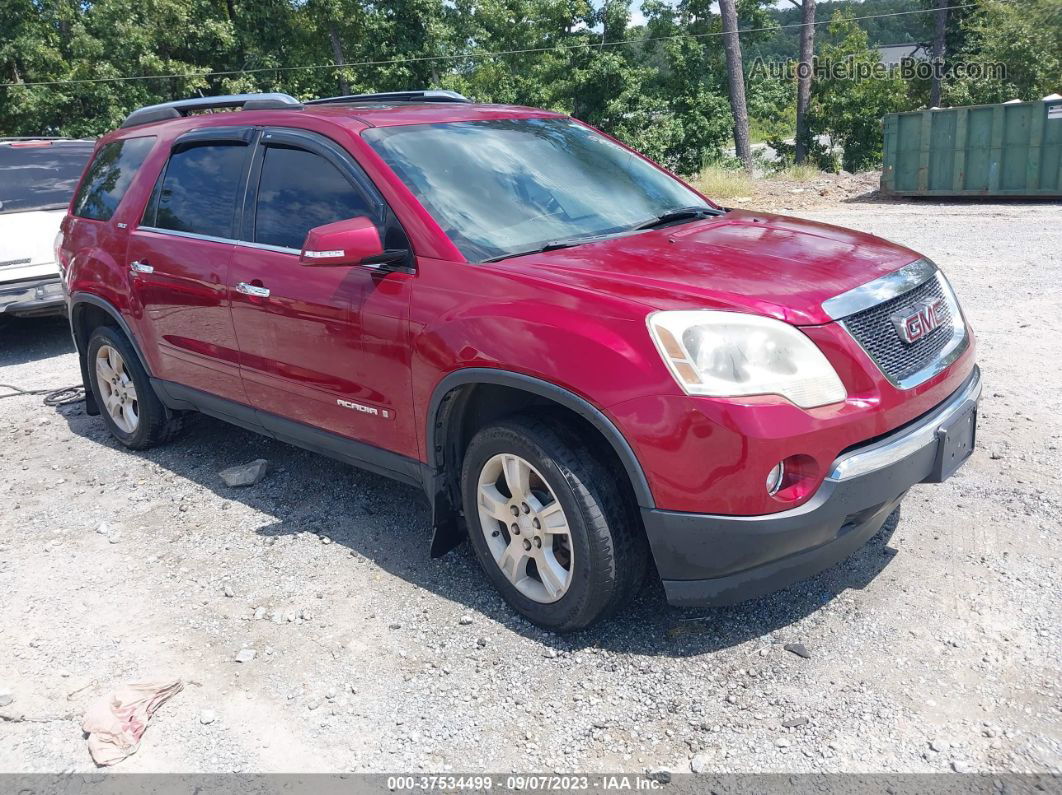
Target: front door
x,y
324,347
179,257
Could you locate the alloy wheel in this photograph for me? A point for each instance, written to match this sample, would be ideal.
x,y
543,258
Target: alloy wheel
x,y
117,390
525,527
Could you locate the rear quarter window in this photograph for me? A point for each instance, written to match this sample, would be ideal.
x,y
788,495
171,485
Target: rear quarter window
x,y
109,177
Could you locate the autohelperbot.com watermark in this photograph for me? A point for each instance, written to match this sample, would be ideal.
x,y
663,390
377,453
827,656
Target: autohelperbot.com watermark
x,y
851,68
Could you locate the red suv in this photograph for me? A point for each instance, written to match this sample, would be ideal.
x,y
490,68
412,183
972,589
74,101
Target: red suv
x,y
586,364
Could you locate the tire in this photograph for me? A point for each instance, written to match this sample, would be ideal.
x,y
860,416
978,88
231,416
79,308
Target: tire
x,y
587,574
141,420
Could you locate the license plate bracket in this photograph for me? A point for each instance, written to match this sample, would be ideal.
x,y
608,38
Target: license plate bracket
x,y
955,443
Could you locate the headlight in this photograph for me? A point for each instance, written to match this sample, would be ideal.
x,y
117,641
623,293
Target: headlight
x,y
729,354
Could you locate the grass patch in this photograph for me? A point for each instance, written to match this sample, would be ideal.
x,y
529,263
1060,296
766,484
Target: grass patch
x,y
801,173
717,182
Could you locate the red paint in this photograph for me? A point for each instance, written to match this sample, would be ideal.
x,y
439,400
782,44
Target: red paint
x,y
333,333
342,243
184,315
325,334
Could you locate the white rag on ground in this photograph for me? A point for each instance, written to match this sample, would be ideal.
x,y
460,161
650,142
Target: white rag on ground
x,y
116,722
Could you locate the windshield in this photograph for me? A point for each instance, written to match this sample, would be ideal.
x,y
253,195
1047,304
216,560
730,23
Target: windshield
x,y
40,175
514,185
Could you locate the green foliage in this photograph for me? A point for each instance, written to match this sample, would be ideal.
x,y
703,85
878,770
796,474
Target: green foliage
x,y
772,108
784,42
1025,37
820,156
847,106
660,87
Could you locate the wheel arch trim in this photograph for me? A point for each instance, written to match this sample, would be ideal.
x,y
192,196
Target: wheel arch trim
x,y
80,298
472,376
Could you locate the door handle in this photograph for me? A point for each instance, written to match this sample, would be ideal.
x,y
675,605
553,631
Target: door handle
x,y
140,267
252,289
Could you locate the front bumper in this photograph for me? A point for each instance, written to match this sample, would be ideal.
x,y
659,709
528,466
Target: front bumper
x,y
707,559
40,296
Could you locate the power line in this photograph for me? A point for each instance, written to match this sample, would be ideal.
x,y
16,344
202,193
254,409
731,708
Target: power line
x,y
464,56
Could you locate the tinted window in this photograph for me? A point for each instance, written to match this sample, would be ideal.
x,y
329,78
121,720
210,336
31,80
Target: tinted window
x,y
510,185
109,177
298,191
199,189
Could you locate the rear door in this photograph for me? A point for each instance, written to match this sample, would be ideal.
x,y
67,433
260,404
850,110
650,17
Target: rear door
x,y
325,347
179,258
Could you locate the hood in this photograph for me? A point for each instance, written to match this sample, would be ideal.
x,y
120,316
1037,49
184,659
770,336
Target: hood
x,y
753,262
27,242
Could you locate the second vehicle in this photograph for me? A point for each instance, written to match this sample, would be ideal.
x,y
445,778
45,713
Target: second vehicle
x,y
37,179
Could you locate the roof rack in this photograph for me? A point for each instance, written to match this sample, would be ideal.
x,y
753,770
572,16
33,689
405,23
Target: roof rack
x,y
426,95
182,107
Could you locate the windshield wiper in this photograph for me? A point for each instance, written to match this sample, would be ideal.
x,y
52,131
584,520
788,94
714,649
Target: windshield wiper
x,y
671,216
552,245
680,214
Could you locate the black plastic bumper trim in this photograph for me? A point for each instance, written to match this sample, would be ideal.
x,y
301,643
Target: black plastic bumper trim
x,y
707,559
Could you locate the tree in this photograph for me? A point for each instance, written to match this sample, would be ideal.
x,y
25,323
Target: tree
x,y
804,74
1025,38
848,103
674,88
940,26
736,82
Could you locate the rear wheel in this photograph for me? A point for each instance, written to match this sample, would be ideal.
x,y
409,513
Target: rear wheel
x,y
549,523
128,405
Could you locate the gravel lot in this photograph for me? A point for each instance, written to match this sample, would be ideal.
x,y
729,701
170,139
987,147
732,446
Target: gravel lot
x,y
935,648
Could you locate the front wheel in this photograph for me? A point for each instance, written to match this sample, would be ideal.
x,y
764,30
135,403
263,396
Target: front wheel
x,y
549,523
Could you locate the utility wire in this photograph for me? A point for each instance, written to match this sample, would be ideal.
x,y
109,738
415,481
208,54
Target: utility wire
x,y
470,55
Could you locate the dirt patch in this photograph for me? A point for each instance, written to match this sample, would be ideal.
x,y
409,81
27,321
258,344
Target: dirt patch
x,y
781,195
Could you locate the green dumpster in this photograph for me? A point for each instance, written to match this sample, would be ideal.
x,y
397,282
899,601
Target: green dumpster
x,y
1011,149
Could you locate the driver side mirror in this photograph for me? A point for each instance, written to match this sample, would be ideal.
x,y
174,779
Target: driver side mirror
x,y
354,241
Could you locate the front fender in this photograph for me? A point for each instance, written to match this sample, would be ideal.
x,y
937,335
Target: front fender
x,y
580,349
593,345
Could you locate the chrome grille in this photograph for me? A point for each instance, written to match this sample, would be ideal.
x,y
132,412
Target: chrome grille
x,y
873,329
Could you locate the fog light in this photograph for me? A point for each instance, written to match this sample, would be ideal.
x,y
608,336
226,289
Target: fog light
x,y
774,478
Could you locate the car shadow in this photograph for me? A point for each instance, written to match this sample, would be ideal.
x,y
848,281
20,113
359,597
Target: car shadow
x,y
875,196
30,339
390,524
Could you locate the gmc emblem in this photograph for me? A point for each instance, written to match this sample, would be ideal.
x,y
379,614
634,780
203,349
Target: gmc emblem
x,y
915,322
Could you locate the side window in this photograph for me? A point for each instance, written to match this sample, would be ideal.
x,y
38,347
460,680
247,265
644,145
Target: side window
x,y
198,190
109,176
298,191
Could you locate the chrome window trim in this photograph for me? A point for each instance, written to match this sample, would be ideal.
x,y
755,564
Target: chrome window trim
x,y
267,247
188,235
211,239
954,348
880,290
907,441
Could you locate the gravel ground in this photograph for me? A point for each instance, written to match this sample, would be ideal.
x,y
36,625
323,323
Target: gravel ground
x,y
934,648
